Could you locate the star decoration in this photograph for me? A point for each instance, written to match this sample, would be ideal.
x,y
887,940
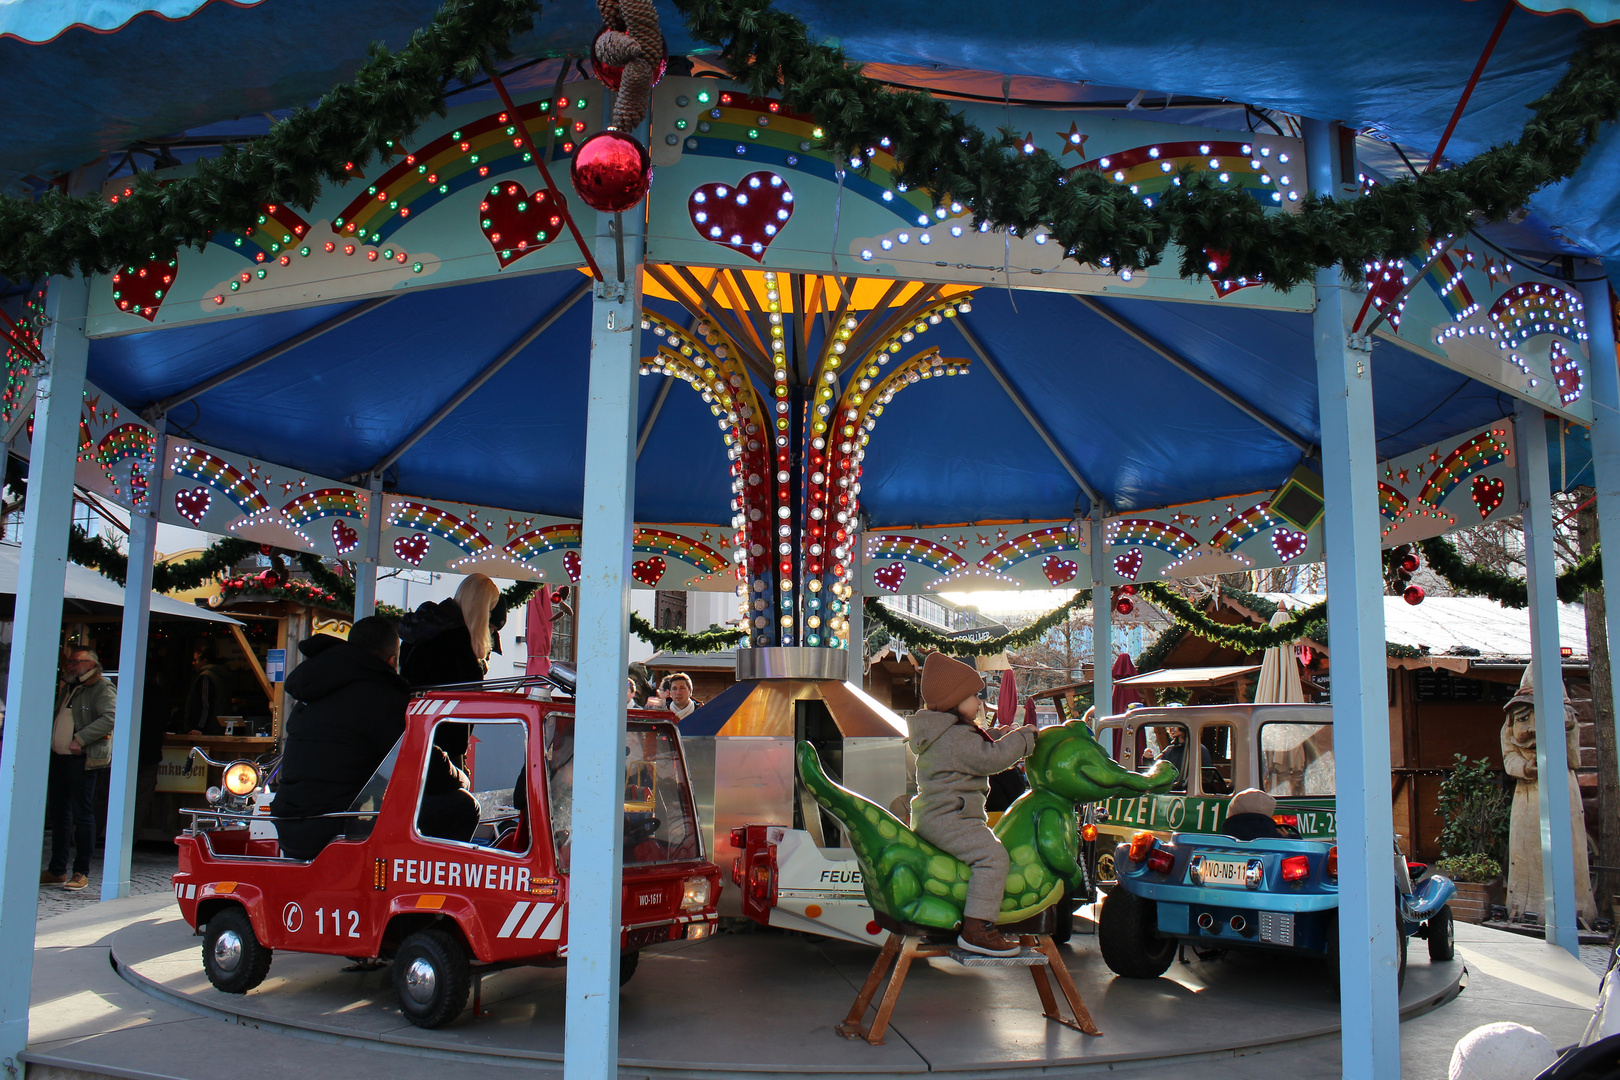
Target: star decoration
x,y
512,526
705,536
91,404
984,541
1465,255
1404,474
1073,140
961,541
1001,534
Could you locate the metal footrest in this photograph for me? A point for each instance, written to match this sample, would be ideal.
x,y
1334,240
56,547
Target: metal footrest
x,y
1028,958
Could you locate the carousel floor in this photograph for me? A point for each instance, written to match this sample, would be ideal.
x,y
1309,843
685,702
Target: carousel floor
x,y
760,1004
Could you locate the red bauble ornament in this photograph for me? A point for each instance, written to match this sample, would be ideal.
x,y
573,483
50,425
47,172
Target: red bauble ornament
x,y
1410,564
1413,595
610,75
611,171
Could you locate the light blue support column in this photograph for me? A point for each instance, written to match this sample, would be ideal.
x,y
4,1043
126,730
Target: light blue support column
x,y
591,1040
1368,943
36,649
143,527
1547,672
1603,382
1102,617
365,567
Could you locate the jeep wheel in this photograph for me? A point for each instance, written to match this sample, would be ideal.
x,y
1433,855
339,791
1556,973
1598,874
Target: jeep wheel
x,y
1128,932
431,978
628,962
232,956
1442,936
1103,869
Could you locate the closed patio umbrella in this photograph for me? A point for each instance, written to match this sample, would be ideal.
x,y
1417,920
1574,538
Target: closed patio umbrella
x,y
1007,699
1279,671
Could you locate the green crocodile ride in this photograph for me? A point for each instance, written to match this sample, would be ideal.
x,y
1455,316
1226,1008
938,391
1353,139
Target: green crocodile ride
x,y
912,881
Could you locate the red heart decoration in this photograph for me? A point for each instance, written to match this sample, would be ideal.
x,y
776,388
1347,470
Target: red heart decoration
x,y
193,504
140,288
518,222
343,537
571,565
1058,570
889,577
1487,494
648,571
1288,544
412,548
744,217
1128,564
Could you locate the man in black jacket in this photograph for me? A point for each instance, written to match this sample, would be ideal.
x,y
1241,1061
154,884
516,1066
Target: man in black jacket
x,y
350,714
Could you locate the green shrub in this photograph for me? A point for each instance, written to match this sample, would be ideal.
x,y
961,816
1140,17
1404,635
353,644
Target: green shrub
x,y
1476,810
1479,869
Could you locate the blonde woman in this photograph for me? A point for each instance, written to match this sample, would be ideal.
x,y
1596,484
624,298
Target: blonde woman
x,y
448,642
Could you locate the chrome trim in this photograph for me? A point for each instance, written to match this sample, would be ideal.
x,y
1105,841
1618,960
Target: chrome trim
x,y
1254,874
1195,870
792,663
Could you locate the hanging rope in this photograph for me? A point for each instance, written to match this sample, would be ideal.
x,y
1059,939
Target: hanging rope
x,y
632,42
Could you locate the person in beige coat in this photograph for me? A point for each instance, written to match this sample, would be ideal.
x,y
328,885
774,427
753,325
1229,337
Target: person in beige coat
x,y
81,746
955,760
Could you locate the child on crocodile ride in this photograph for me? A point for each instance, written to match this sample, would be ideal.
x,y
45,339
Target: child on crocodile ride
x,y
955,759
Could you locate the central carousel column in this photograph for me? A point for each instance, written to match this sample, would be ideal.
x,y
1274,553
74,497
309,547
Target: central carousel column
x,y
1369,1017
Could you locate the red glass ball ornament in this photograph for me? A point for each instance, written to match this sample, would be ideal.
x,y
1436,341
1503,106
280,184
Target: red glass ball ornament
x,y
1410,564
612,171
610,75
1124,605
1413,595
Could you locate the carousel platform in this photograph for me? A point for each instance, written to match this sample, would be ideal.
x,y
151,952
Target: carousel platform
x,y
119,991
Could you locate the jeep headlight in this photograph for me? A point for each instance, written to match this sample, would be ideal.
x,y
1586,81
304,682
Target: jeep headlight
x,y
241,778
695,894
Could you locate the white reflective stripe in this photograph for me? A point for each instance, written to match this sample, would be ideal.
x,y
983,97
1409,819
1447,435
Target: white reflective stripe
x,y
191,892
512,918
554,928
536,917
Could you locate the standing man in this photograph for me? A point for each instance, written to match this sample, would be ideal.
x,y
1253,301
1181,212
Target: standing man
x,y
207,692
81,744
680,696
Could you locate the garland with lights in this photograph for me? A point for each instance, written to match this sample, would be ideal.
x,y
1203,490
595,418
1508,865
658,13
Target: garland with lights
x,y
921,639
1507,590
1311,622
266,587
714,639
1101,223
353,123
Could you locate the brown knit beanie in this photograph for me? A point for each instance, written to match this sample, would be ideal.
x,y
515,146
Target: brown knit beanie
x,y
946,683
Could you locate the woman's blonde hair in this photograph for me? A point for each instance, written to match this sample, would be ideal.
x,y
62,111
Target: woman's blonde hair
x,y
476,598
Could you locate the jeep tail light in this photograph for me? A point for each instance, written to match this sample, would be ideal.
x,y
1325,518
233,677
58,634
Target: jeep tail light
x,y
1160,859
1141,844
737,872
1291,820
760,885
739,837
1088,833
1332,868
1296,868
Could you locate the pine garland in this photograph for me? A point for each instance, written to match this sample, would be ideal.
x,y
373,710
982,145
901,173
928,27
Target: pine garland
x,y
354,123
920,638
263,587
1311,623
714,639
1099,222
1507,590
99,555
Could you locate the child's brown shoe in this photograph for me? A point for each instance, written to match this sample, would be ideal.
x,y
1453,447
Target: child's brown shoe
x,y
981,936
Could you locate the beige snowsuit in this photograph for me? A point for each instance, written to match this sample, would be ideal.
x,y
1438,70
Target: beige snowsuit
x,y
954,766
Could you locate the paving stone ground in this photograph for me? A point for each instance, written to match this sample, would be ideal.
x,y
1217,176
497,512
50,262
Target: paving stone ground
x,y
150,870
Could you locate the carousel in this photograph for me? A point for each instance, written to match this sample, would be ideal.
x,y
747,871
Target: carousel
x,y
654,325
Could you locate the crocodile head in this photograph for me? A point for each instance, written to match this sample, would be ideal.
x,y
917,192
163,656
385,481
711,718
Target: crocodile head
x,y
1070,762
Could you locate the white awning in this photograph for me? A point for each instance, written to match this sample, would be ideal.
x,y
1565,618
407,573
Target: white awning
x,y
1189,676
88,592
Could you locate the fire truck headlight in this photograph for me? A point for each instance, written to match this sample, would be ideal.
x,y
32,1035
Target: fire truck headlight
x,y
214,795
241,777
695,894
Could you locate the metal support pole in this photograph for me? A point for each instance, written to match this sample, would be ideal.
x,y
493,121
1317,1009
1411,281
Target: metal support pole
x,y
365,568
1102,616
591,1039
1368,947
1603,377
1547,673
36,648
123,773
857,610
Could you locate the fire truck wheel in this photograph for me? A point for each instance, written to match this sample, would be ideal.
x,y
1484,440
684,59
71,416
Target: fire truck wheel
x,y
431,978
627,965
232,956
